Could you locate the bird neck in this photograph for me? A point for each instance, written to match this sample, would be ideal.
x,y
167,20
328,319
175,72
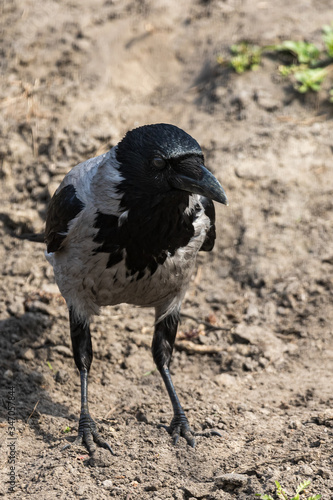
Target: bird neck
x,y
156,228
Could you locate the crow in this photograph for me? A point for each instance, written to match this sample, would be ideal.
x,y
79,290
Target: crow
x,y
126,227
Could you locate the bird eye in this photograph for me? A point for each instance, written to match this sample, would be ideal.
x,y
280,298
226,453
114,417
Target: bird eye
x,y
158,162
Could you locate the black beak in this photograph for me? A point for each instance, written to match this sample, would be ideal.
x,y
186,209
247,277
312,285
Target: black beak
x,y
206,184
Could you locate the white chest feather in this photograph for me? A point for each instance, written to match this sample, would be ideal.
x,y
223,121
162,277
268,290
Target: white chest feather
x,y
87,283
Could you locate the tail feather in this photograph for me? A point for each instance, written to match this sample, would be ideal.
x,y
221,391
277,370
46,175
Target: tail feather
x,y
36,237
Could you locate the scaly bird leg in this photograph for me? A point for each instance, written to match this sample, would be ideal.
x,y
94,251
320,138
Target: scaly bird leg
x,y
162,347
83,354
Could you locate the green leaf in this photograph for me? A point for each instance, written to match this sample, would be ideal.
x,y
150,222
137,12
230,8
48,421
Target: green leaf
x,y
293,68
285,70
283,495
328,38
301,487
305,52
279,491
150,372
246,57
49,365
310,79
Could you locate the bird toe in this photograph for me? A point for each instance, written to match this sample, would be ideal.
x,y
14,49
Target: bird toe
x,y
179,427
89,436
208,433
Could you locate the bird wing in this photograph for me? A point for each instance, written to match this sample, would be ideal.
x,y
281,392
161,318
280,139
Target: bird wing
x,y
64,207
209,209
88,183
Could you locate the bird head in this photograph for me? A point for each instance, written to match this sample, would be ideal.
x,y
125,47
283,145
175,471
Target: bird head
x,y
161,158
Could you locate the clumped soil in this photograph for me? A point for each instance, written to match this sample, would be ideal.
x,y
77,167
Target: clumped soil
x,y
254,354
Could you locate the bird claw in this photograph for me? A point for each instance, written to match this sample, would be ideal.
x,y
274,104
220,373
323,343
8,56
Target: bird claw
x,y
179,427
208,433
88,435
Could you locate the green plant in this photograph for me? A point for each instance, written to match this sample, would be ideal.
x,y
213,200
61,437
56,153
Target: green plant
x,y
281,494
328,38
245,57
292,69
310,79
305,52
310,67
306,75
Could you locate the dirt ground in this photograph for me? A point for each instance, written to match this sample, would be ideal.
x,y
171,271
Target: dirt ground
x,y
75,76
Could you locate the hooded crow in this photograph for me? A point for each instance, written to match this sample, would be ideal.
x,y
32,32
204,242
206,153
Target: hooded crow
x,y
126,227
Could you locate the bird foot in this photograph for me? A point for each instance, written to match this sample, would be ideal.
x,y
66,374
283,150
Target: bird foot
x,y
89,435
179,427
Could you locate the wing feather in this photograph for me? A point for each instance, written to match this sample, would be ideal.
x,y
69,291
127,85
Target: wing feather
x,y
64,207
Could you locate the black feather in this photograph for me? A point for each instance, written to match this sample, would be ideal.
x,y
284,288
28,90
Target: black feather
x,y
209,208
109,237
64,207
152,230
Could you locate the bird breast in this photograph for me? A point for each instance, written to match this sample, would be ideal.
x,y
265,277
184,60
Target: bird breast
x,y
87,283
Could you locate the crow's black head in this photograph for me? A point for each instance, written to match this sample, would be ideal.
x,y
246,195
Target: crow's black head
x,y
157,159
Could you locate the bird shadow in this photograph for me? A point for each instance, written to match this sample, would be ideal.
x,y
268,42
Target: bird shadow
x,y
24,381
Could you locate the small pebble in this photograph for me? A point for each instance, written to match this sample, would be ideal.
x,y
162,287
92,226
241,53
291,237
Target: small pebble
x,y
44,179
61,377
305,470
28,354
38,306
16,308
324,473
295,424
63,350
210,422
38,378
225,380
107,484
8,374
231,480
153,487
141,416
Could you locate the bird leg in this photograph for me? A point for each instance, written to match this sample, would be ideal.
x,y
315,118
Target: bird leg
x,y
162,347
83,354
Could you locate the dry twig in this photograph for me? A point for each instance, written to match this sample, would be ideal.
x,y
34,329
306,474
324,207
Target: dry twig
x,y
192,348
206,323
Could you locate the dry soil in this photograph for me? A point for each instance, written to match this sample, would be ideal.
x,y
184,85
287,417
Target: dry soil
x,y
75,76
